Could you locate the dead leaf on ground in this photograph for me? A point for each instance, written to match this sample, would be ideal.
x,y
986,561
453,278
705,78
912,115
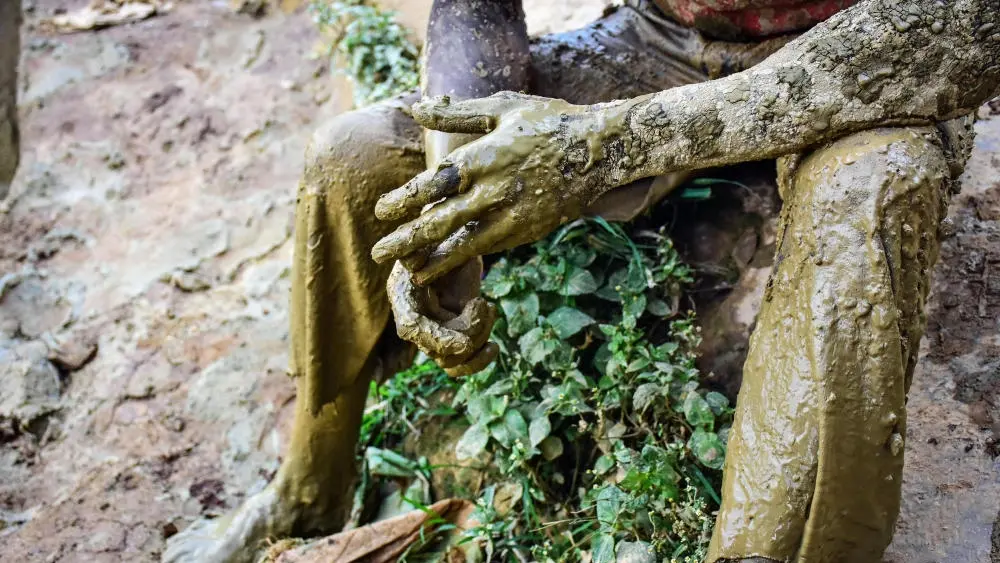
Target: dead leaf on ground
x,y
107,13
381,542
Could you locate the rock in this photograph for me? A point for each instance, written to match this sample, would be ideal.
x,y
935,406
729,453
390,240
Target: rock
x,y
107,536
29,383
72,353
189,281
635,552
252,8
37,305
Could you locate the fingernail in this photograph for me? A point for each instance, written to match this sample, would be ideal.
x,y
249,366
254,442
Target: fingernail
x,y
379,253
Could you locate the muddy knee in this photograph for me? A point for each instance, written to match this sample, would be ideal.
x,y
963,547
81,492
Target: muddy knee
x,y
357,156
351,160
890,188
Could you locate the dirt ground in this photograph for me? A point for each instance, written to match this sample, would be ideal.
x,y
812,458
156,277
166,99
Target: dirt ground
x,y
144,256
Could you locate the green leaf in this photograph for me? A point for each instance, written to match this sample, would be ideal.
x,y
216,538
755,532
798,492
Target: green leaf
x,y
498,406
529,340
644,396
535,347
567,321
581,256
521,313
551,447
500,388
473,442
609,293
707,448
501,433
717,401
578,282
632,309
497,284
478,408
552,276
658,308
601,358
604,464
515,423
609,504
637,364
602,549
539,430
697,412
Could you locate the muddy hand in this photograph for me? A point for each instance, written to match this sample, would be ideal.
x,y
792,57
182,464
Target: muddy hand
x,y
542,162
459,343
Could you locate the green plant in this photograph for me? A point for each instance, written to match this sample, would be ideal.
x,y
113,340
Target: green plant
x,y
376,52
592,416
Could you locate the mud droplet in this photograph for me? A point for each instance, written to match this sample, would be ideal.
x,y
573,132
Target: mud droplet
x,y
863,308
896,444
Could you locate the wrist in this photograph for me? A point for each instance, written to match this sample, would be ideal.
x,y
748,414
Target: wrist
x,y
627,143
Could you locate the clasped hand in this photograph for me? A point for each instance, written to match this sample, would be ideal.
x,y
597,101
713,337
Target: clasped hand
x,y
540,164
536,168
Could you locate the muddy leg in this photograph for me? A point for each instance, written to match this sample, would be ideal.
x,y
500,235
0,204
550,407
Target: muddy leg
x,y
815,457
339,313
10,51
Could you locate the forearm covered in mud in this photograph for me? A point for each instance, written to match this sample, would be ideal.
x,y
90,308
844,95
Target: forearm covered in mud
x,y
881,62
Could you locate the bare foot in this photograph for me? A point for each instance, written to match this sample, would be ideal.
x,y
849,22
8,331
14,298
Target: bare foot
x,y
236,537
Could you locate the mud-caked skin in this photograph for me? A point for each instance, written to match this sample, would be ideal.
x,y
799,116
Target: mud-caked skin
x,y
879,62
851,106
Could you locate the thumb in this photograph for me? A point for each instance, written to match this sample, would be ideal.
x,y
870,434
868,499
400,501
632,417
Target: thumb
x,y
479,115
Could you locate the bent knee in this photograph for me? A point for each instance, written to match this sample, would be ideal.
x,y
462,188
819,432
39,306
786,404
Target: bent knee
x,y
361,154
911,156
875,174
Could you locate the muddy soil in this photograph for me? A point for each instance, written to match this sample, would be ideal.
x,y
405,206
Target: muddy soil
x,y
144,254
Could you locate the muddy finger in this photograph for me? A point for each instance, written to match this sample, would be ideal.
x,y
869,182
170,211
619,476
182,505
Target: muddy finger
x,y
441,113
433,226
478,363
414,326
427,187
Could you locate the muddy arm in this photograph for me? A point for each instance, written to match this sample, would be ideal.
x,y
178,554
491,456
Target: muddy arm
x,y
879,62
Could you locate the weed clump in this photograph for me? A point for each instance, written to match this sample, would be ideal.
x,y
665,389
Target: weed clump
x,y
374,51
598,434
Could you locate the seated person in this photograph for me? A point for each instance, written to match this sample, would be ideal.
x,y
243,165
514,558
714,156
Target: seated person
x,y
863,105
